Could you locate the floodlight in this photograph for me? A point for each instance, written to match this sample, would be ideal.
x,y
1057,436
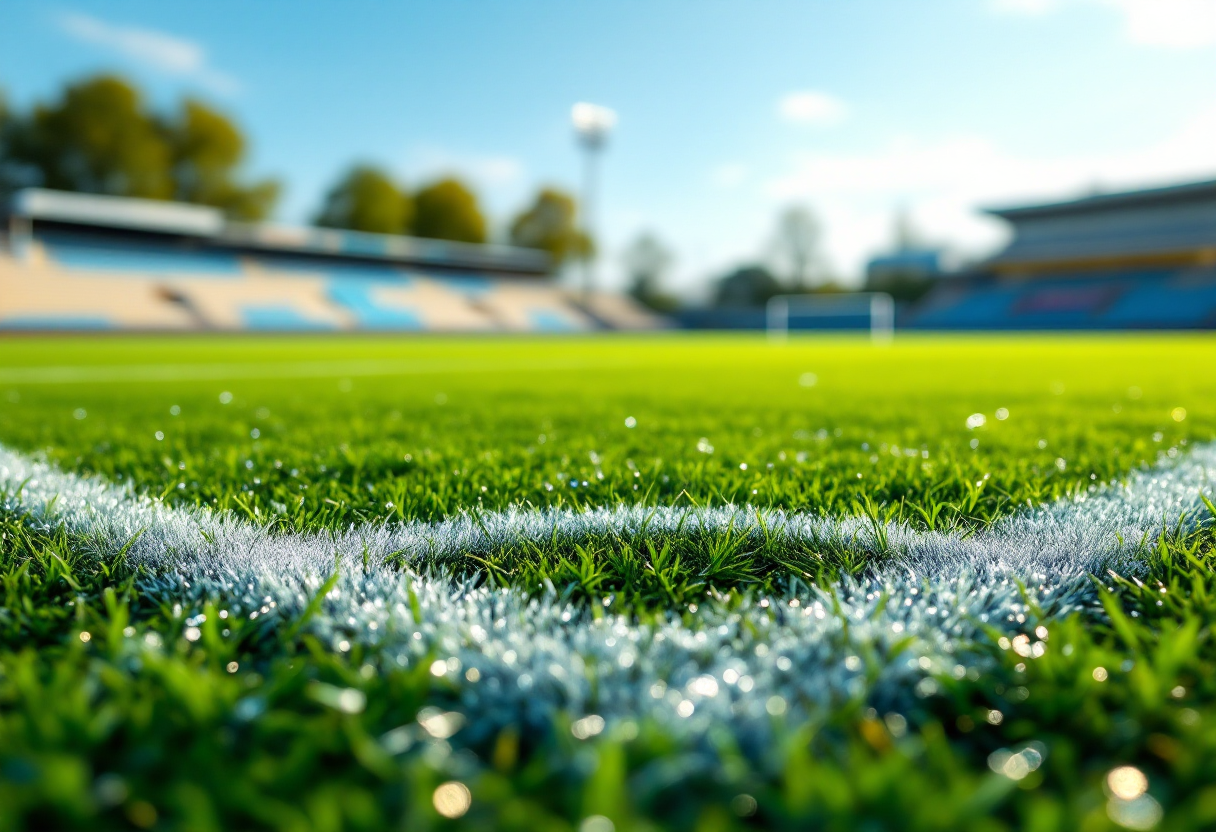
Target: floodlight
x,y
592,122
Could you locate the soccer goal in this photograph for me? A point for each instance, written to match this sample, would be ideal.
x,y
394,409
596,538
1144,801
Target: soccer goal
x,y
848,310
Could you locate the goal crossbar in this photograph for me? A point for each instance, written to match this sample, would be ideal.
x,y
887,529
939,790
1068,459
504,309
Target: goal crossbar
x,y
879,307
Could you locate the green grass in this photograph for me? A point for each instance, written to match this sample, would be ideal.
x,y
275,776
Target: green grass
x,y
488,423
140,728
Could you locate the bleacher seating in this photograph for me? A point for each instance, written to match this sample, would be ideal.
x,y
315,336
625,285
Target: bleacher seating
x,y
38,294
65,280
260,302
1173,305
519,306
619,312
1133,299
91,255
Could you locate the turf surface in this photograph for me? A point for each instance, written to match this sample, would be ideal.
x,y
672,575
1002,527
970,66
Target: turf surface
x,y
331,432
142,726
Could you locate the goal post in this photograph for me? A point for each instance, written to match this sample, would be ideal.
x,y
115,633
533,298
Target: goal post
x,y
876,309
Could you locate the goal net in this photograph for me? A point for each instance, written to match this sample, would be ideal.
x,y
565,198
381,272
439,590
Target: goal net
x,y
872,311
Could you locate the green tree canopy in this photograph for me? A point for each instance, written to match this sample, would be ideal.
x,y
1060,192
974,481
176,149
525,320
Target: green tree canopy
x,y
647,260
549,224
207,149
746,286
367,199
99,137
448,210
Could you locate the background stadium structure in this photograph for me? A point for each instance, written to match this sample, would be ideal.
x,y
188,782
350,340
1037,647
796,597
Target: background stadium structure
x,y
1141,259
86,262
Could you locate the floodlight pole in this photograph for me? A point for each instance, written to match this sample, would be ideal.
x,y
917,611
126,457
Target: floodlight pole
x,y
592,124
591,151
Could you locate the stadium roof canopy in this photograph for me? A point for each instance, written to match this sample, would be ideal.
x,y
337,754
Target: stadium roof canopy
x,y
110,214
1173,226
1172,194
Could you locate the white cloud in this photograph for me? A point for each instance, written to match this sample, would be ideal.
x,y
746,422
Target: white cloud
x,y
160,51
1171,23
1177,24
811,107
944,184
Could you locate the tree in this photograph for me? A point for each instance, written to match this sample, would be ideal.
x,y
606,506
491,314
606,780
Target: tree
x,y
447,210
549,224
797,246
207,149
9,174
747,286
646,262
98,137
366,199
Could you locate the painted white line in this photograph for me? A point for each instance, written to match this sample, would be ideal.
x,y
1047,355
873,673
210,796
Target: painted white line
x,y
873,638
112,373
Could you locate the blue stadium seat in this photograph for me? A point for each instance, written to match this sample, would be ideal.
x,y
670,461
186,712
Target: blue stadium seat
x,y
64,322
279,318
981,308
1164,306
138,258
358,295
1139,299
547,320
466,284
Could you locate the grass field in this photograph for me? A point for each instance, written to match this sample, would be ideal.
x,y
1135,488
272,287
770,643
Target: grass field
x,y
630,583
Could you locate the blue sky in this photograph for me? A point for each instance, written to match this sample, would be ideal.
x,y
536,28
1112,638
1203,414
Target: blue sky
x,y
729,110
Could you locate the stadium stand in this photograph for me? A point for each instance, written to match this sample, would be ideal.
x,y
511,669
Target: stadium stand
x,y
617,312
38,294
85,262
1133,260
517,306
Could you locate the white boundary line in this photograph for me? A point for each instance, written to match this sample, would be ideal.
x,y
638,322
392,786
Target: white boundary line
x,y
533,653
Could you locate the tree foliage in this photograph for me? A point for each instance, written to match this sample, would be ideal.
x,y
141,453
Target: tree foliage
x,y
100,137
367,199
97,138
549,224
646,262
448,210
797,248
206,149
747,286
